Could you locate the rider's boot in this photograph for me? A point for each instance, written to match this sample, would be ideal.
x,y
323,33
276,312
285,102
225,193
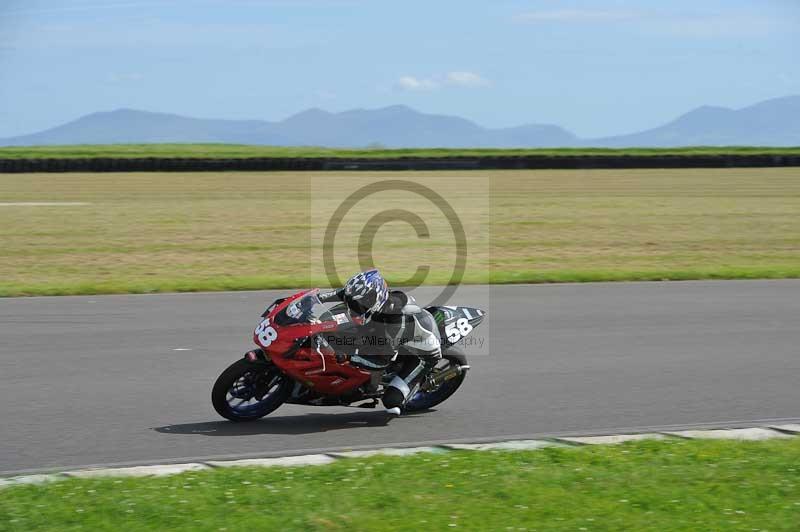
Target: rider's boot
x,y
400,388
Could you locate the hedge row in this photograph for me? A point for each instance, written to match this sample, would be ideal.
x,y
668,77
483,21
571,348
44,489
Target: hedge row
x,y
154,164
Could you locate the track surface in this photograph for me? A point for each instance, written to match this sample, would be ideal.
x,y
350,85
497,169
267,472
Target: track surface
x,y
97,380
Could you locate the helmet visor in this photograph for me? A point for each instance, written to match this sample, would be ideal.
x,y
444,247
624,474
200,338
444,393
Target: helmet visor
x,y
359,313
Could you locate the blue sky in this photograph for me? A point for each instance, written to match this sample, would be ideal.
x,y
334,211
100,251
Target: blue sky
x,y
596,67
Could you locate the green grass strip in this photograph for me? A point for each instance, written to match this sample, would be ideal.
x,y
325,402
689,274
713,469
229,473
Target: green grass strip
x,y
239,283
242,150
665,486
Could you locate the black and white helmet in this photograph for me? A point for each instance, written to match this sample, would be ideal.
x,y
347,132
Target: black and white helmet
x,y
365,293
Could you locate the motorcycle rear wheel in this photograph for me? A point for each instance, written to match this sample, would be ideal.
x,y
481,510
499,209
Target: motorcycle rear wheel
x,y
236,392
426,400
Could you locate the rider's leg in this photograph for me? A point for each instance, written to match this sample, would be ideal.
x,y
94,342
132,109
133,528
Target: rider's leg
x,y
411,374
420,350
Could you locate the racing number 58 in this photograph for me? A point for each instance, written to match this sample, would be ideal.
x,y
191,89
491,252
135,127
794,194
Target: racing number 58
x,y
457,330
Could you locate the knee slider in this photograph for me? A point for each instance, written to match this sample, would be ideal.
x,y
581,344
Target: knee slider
x,y
392,397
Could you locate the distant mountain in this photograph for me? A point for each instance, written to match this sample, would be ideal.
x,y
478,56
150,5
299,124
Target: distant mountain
x,y
773,122
131,126
770,123
395,126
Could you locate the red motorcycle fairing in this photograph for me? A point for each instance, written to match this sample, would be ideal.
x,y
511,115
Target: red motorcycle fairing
x,y
278,335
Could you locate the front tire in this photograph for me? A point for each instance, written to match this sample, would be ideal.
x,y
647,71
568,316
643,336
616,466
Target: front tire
x,y
247,391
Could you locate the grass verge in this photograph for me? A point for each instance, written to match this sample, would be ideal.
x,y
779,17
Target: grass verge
x,y
650,485
242,150
226,284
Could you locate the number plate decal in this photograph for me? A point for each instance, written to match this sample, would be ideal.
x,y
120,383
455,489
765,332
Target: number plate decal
x,y
457,330
266,333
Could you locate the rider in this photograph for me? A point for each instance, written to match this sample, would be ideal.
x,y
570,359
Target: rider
x,y
394,320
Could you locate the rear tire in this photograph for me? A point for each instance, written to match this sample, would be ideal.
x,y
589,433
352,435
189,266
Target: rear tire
x,y
237,377
427,400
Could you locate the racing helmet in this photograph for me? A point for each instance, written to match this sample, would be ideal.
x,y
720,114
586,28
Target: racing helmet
x,y
365,293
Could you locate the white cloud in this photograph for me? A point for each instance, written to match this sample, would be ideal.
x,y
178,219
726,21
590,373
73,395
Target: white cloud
x,y
79,7
697,23
466,79
712,25
450,79
410,83
576,15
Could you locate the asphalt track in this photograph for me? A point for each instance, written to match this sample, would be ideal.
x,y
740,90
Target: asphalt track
x,y
98,380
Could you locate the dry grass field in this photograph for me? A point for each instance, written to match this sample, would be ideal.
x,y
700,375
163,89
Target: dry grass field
x,y
146,232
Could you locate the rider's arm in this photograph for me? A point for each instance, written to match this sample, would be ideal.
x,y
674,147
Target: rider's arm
x,y
333,295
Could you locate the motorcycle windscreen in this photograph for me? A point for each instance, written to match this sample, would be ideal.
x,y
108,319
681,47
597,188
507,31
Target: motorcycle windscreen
x,y
307,309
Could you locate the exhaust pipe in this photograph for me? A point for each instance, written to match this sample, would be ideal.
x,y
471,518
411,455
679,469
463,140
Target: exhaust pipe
x,y
450,373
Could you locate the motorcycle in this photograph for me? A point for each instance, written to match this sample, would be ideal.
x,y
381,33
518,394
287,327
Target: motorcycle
x,y
295,363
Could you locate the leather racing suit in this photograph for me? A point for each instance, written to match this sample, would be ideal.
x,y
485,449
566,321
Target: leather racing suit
x,y
400,328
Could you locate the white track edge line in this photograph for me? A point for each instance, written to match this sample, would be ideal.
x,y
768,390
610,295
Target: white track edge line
x,y
295,460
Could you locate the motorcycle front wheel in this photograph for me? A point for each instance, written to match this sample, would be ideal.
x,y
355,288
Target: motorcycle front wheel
x,y
247,391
